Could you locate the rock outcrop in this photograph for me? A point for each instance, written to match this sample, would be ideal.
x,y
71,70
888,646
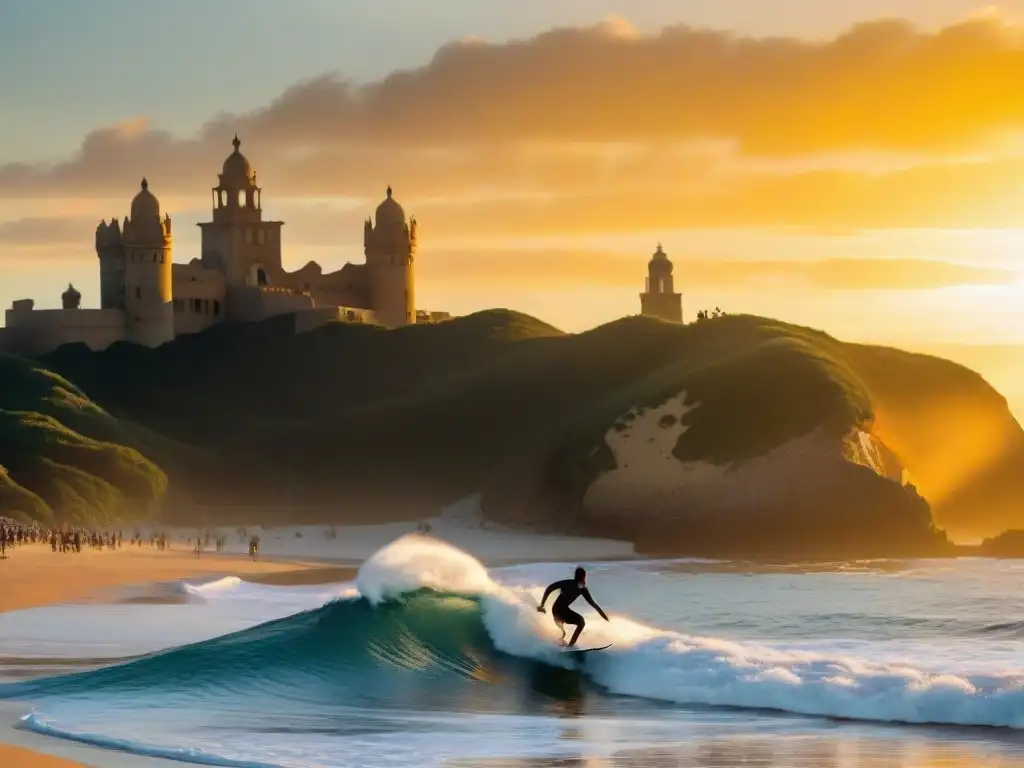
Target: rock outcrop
x,y
828,496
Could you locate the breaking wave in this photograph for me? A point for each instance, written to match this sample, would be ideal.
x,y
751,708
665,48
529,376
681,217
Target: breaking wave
x,y
425,628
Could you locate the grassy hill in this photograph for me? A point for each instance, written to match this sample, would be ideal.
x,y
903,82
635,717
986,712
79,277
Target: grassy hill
x,y
63,458
392,423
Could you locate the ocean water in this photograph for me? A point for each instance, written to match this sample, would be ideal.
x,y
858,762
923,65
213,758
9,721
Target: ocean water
x,y
429,659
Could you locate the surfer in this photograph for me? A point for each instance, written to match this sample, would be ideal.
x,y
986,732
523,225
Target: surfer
x,y
568,591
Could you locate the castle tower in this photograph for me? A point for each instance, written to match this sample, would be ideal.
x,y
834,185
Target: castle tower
x,y
149,311
660,298
71,298
390,248
238,242
110,250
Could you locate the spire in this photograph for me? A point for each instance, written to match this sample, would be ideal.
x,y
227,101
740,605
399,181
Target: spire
x,y
145,184
236,142
389,191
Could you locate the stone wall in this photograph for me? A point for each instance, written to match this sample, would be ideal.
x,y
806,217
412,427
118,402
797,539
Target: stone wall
x,y
34,332
309,319
346,287
252,304
198,298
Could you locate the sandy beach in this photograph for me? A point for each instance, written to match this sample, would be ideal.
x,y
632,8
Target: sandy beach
x,y
18,757
33,576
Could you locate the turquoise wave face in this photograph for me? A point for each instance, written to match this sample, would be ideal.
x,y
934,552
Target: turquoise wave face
x,y
426,651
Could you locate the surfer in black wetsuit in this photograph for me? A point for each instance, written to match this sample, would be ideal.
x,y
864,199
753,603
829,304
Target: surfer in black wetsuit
x,y
568,591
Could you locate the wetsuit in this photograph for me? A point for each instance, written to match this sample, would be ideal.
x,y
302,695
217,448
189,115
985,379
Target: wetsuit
x,y
568,592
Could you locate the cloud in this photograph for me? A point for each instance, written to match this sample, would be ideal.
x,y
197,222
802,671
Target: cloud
x,y
563,268
471,268
602,128
983,194
42,231
881,84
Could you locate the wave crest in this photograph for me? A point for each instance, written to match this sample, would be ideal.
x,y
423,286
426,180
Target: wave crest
x,y
432,629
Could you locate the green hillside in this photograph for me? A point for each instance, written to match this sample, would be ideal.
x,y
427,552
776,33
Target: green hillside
x,y
65,459
393,423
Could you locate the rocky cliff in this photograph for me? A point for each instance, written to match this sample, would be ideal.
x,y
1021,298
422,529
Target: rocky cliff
x,y
833,495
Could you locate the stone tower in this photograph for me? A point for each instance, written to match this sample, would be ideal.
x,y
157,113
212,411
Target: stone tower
x,y
238,242
390,247
110,250
149,310
660,298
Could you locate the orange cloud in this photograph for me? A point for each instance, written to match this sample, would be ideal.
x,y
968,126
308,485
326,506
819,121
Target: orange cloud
x,y
600,128
564,268
45,231
476,268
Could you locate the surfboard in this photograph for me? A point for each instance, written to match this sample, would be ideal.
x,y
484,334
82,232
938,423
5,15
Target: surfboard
x,y
584,650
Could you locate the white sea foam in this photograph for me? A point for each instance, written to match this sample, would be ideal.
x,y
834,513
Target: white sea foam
x,y
414,562
303,596
653,663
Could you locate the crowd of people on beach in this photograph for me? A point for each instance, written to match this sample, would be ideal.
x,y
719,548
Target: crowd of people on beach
x,y
68,539
73,539
220,541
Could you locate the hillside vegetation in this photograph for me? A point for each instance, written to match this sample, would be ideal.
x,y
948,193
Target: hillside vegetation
x,y
393,423
63,458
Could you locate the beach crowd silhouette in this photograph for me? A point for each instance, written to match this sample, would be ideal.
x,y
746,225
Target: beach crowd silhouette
x,y
68,539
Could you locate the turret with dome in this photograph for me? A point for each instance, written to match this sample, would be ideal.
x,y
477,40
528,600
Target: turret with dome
x,y
148,260
71,298
239,276
390,248
237,169
236,196
659,299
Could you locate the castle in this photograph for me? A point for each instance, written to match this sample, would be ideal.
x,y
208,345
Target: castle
x,y
147,299
660,299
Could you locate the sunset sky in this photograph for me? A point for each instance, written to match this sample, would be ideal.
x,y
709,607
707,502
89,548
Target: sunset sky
x,y
854,166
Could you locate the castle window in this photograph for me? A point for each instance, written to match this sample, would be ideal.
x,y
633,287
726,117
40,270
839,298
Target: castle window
x,y
197,306
248,236
206,306
216,308
261,237
241,198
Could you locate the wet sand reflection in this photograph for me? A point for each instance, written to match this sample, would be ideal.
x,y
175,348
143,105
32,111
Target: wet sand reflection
x,y
782,751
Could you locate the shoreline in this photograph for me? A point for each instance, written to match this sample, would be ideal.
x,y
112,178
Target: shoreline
x,y
35,577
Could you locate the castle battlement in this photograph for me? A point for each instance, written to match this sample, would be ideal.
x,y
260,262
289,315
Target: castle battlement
x,y
238,277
